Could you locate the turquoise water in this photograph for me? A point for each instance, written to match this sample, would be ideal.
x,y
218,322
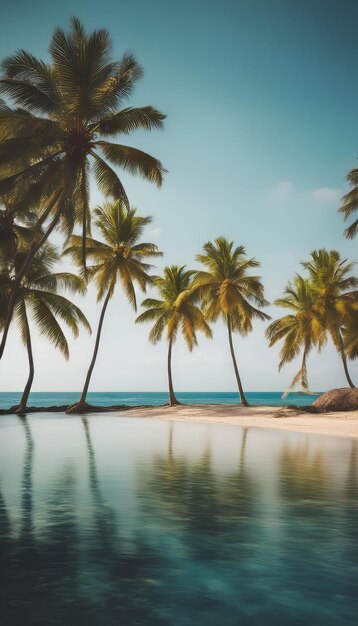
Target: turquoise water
x,y
135,522
136,398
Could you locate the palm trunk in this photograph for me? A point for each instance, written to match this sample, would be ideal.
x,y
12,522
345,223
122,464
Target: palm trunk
x,y
25,396
172,398
84,216
19,276
344,361
304,380
300,377
238,379
81,405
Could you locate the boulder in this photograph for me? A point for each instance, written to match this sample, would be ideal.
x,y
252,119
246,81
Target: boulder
x,y
343,399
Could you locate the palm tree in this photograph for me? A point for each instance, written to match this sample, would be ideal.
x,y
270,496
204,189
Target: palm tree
x,y
175,310
336,297
301,329
38,298
229,292
17,229
350,204
118,258
64,113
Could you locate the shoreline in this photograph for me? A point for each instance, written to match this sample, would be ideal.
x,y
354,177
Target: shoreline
x,y
335,424
291,418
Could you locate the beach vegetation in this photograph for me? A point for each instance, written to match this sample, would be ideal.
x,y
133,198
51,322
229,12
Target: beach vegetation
x,y
176,311
230,292
119,258
58,121
39,304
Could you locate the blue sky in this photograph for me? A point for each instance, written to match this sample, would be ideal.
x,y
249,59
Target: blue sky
x,y
261,99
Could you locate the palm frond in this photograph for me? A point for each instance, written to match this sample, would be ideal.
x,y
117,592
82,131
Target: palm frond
x,y
134,161
131,119
108,181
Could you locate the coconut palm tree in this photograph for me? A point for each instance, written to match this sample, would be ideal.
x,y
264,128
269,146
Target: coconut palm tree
x,y
350,204
229,292
60,128
119,258
17,229
336,296
300,330
175,310
38,300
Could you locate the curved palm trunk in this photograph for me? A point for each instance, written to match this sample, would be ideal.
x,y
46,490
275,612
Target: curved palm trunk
x,y
304,376
344,361
238,379
80,407
19,276
172,398
25,396
300,377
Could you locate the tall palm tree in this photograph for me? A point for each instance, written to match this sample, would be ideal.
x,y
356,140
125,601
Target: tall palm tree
x,y
175,310
65,114
118,258
350,204
300,330
336,296
38,299
228,291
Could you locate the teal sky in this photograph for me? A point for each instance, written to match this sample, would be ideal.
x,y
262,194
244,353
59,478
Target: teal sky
x,y
261,98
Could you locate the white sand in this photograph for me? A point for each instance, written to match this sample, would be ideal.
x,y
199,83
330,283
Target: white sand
x,y
343,424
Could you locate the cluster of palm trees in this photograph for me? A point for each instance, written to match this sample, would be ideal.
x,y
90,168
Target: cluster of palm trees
x,y
322,304
224,288
56,123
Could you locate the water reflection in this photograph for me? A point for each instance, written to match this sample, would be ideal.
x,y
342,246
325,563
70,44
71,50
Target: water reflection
x,y
26,487
125,522
350,513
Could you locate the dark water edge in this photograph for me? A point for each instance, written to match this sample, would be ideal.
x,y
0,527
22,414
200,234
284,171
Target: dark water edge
x,y
47,399
135,522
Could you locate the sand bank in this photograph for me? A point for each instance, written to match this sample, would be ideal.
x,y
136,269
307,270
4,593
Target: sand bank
x,y
344,424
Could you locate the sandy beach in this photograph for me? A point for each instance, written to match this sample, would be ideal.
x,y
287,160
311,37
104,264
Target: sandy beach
x,y
342,424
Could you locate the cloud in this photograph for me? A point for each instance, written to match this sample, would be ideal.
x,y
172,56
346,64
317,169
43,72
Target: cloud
x,y
156,232
327,194
283,189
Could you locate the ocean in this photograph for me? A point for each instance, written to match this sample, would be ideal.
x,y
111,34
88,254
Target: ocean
x,y
260,398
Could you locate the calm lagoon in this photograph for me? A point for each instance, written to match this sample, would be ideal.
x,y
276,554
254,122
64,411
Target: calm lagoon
x,y
108,521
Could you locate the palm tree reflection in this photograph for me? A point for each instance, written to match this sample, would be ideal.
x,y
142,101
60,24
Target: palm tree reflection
x,y
311,539
26,487
123,573
63,568
349,510
215,516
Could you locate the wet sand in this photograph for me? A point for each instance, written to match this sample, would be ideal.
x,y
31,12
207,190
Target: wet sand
x,y
340,424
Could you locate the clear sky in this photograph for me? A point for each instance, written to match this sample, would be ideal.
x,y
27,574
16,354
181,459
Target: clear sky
x,y
261,98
